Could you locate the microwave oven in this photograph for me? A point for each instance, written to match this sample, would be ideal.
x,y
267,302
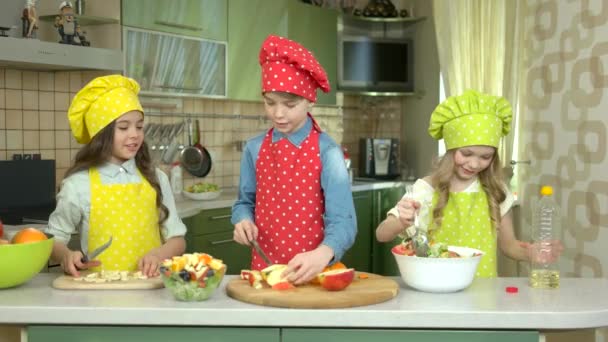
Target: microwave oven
x,y
375,64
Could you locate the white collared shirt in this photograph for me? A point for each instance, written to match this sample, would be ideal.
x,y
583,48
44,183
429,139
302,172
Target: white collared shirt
x,y
72,213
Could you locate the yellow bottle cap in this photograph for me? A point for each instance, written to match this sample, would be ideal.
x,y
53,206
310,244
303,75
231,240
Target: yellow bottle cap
x,y
546,190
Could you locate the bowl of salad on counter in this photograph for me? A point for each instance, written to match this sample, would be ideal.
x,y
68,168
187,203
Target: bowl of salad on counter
x,y
445,269
192,277
202,191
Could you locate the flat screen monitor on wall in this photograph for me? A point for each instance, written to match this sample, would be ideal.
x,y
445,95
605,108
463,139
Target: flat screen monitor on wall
x,y
372,64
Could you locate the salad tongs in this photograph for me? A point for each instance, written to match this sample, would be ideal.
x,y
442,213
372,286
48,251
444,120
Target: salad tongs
x,y
419,239
418,236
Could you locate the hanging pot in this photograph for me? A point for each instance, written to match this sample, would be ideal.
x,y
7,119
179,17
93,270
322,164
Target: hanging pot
x,y
195,158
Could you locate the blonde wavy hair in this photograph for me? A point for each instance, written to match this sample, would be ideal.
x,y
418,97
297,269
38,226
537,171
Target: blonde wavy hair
x,y
490,179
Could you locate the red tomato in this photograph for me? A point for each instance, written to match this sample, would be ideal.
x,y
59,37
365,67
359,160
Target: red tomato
x,y
452,254
1,229
402,250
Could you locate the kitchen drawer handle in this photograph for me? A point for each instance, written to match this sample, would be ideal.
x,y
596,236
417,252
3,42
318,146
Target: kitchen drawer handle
x,y
221,242
176,25
220,217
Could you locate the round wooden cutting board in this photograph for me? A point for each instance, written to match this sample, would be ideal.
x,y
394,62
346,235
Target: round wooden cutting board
x,y
375,289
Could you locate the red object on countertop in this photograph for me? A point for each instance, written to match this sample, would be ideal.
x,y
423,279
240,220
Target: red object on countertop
x,y
512,289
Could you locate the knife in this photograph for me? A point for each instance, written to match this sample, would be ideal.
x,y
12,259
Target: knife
x,y
257,248
91,256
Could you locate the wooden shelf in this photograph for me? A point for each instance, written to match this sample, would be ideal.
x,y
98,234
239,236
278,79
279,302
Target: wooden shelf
x,y
84,20
386,20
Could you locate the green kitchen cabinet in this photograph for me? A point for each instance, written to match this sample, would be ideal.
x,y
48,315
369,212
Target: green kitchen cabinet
x,y
367,254
359,255
383,261
384,335
211,232
249,23
317,29
47,333
207,19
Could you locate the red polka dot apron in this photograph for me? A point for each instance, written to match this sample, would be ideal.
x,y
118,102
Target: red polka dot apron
x,y
128,212
289,204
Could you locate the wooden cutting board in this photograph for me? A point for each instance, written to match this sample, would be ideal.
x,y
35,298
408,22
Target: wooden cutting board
x,y
66,282
375,289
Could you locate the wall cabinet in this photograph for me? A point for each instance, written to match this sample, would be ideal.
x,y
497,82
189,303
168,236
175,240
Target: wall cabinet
x,y
210,231
205,19
167,64
251,21
316,28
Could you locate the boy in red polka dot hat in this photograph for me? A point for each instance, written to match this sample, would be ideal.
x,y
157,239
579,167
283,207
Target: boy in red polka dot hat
x,y
294,196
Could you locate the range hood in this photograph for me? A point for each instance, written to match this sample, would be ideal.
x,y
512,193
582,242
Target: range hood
x,y
34,54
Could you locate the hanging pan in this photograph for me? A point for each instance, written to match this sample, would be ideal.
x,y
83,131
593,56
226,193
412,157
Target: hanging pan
x,y
195,158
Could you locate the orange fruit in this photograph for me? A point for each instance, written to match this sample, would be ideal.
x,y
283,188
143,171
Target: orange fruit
x,y
28,235
337,266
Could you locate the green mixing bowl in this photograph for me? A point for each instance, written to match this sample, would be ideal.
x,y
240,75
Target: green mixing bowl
x,y
21,262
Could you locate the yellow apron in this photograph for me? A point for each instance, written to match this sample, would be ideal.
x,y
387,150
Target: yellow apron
x,y
128,212
466,222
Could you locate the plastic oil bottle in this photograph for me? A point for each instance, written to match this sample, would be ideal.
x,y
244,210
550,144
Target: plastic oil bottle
x,y
546,230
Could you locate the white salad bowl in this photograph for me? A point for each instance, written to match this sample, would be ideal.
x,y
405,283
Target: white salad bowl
x,y
439,275
202,196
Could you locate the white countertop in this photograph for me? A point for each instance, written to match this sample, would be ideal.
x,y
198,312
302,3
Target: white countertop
x,y
187,207
578,303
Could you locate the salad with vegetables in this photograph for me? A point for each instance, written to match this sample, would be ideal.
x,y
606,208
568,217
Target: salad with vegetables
x,y
203,187
436,250
192,277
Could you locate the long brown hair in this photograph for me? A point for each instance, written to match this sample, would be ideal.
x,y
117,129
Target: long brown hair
x,y
99,150
490,180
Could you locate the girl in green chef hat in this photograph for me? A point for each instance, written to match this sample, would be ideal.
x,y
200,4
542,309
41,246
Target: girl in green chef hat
x,y
464,200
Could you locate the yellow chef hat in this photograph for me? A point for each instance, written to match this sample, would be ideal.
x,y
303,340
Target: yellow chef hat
x,y
100,102
472,118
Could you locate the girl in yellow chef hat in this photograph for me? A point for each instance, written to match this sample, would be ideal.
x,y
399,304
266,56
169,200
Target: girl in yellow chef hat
x,y
464,201
113,189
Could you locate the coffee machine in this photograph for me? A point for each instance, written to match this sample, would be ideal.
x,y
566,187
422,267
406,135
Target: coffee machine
x,y
379,158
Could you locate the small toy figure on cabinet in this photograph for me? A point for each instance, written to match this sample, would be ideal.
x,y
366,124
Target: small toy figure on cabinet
x,y
66,24
80,38
29,19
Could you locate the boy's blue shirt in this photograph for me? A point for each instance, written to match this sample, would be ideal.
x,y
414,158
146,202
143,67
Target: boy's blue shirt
x,y
340,219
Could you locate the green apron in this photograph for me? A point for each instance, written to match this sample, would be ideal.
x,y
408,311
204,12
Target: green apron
x,y
466,222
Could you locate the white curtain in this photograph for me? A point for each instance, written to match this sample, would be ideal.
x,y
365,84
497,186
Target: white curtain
x,y
480,44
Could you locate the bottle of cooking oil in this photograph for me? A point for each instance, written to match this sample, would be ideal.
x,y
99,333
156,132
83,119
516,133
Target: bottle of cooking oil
x,y
546,232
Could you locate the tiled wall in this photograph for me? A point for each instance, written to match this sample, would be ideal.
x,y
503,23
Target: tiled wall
x,y
33,119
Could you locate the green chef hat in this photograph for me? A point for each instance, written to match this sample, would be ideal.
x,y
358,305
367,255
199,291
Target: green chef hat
x,y
472,118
